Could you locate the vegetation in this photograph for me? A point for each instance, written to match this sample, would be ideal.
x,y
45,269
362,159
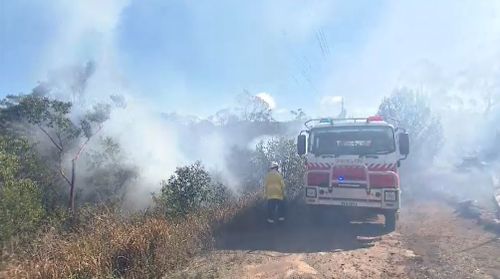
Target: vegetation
x,y
111,173
52,117
108,245
62,217
21,207
411,110
283,151
190,190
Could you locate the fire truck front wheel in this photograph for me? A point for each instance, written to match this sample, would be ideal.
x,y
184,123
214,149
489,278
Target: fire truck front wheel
x,y
390,220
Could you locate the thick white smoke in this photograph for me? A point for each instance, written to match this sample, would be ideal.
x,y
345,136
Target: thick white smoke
x,y
149,142
447,50
149,139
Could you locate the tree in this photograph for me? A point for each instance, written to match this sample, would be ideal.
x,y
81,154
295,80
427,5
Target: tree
x,y
52,118
254,109
110,172
224,117
411,110
299,115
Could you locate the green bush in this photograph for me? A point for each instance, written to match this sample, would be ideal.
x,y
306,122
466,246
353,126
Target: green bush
x,y
21,208
191,188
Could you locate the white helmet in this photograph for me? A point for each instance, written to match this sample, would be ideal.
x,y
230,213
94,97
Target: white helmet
x,y
274,165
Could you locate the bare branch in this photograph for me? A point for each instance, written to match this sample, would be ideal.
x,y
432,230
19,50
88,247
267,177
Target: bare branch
x,y
61,171
51,138
61,168
85,144
60,140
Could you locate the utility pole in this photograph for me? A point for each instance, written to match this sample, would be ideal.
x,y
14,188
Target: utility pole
x,y
343,112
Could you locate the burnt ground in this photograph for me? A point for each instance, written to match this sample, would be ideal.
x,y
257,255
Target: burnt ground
x,y
431,242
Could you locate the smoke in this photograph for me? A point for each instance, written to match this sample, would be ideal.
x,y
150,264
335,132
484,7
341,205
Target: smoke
x,y
330,105
148,141
154,142
423,45
447,50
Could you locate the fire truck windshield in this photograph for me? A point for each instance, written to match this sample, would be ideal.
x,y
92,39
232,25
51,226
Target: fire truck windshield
x,y
353,140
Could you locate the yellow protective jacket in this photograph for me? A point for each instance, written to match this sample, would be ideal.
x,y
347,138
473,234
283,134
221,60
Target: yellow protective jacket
x,y
275,186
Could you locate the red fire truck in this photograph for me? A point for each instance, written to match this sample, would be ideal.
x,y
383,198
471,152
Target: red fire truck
x,y
353,163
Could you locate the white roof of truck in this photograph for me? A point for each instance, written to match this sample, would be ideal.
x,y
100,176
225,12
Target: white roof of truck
x,y
336,122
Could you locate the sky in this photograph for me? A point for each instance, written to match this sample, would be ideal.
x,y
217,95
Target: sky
x,y
197,57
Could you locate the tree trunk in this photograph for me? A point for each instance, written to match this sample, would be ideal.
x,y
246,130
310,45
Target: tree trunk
x,y
73,170
72,187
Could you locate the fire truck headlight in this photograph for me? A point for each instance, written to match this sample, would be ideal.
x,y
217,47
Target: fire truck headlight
x,y
390,196
311,192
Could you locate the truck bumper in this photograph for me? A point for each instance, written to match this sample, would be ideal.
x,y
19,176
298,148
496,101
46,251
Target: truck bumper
x,y
380,198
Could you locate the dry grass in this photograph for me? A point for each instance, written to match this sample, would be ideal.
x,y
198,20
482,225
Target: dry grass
x,y
108,245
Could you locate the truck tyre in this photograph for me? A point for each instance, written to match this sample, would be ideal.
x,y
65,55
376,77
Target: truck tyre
x,y
390,220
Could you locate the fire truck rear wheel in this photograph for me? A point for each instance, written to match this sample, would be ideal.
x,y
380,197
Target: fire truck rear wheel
x,y
390,220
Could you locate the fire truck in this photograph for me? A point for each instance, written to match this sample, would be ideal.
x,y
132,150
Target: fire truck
x,y
353,163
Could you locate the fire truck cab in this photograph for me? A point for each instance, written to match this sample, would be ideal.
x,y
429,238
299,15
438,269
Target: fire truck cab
x,y
353,163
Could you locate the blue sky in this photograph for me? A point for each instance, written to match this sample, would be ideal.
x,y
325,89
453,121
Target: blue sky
x,y
196,57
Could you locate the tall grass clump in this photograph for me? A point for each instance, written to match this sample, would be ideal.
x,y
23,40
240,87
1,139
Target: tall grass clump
x,y
104,242
109,245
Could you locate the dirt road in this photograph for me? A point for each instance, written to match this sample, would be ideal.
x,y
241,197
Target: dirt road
x,y
430,242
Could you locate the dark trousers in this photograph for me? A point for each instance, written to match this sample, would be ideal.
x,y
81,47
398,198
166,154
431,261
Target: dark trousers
x,y
273,206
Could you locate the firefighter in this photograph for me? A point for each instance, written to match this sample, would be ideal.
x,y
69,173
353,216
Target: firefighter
x,y
275,194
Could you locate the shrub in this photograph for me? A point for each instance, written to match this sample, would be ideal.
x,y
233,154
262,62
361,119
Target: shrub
x,y
21,207
190,189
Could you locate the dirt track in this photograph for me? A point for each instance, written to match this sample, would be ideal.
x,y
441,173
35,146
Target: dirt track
x,y
431,242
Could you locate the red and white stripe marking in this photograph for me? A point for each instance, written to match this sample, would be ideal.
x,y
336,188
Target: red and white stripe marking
x,y
318,166
381,167
371,167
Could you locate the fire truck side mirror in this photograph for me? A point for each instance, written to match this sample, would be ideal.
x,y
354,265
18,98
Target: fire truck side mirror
x,y
404,144
301,144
